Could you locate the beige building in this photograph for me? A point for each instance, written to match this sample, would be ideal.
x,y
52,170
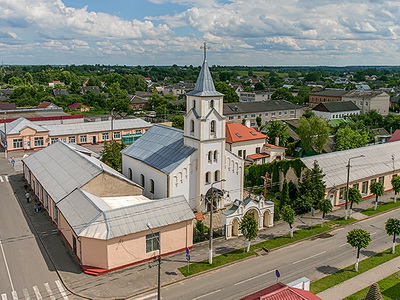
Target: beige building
x,y
369,100
23,134
102,215
368,164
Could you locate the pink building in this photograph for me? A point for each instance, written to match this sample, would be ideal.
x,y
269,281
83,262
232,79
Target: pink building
x,y
103,215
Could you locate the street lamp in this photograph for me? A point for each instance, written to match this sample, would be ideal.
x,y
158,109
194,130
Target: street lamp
x,y
210,242
347,183
159,263
112,124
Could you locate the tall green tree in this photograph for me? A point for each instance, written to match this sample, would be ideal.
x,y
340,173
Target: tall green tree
x,y
325,206
358,238
276,129
392,227
376,188
282,94
288,214
249,227
284,200
111,154
396,186
229,93
347,138
314,133
354,196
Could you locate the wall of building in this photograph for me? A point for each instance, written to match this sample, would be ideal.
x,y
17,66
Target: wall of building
x,y
265,116
248,146
234,175
314,100
336,115
107,185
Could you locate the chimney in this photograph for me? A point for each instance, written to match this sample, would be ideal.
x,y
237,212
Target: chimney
x,y
247,123
277,141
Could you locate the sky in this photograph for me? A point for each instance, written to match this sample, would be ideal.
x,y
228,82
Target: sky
x,y
167,32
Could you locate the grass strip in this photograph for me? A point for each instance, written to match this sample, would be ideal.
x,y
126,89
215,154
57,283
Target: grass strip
x,y
348,272
239,254
381,208
389,287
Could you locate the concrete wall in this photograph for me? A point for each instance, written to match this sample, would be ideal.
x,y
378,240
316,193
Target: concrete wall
x,y
248,146
107,185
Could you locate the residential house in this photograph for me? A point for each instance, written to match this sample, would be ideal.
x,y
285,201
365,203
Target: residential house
x,y
95,89
368,164
267,111
60,92
327,95
104,217
395,136
336,110
381,135
79,107
47,105
255,96
369,100
178,89
237,89
139,103
281,291
55,83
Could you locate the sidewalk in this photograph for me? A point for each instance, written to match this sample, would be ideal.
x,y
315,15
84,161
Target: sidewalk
x,y
130,281
361,281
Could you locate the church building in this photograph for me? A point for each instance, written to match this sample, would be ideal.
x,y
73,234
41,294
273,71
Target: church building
x,y
168,162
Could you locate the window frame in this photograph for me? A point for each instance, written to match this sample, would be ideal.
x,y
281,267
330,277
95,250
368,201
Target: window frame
x,y
38,141
18,144
152,242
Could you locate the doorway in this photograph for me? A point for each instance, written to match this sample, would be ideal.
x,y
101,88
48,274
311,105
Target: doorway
x,y
93,139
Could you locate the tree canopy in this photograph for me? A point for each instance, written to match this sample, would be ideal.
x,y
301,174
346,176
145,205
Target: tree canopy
x,y
276,129
392,227
347,138
314,133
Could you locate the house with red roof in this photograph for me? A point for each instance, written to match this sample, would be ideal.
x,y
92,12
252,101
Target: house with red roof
x,y
280,291
46,104
395,136
79,107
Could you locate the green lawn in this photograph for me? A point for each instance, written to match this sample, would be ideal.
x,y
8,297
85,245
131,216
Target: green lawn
x,y
348,272
239,254
381,208
389,287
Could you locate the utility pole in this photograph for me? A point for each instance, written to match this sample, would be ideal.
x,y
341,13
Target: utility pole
x,y
266,180
210,240
347,184
159,263
112,124
5,144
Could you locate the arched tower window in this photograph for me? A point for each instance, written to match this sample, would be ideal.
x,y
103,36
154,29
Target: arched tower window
x,y
216,175
208,177
210,157
191,126
212,104
142,180
212,127
215,156
130,173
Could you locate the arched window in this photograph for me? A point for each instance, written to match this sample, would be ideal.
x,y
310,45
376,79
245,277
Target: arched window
x,y
152,186
130,173
210,157
216,175
212,126
215,155
194,104
142,180
208,179
191,126
212,104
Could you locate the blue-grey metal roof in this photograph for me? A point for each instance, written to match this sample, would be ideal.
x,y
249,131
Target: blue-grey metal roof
x,y
60,169
161,147
204,85
88,217
16,126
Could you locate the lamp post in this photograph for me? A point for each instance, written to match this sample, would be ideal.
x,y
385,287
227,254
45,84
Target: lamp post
x,y
159,263
347,183
5,134
112,124
210,241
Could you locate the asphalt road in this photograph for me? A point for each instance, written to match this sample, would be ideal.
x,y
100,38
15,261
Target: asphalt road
x,y
25,270
312,259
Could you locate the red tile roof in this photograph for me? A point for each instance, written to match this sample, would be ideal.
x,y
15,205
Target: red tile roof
x,y
75,105
273,146
280,291
237,132
258,156
395,136
44,104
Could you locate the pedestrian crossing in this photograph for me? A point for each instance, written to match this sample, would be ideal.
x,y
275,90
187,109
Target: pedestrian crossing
x,y
4,178
46,292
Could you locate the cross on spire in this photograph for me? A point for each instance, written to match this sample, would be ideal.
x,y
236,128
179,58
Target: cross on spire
x,y
205,47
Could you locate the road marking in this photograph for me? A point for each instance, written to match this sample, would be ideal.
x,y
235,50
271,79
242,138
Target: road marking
x,y
26,294
308,257
373,233
147,296
6,264
61,289
1,179
342,245
240,282
48,289
6,177
14,295
205,295
37,293
3,296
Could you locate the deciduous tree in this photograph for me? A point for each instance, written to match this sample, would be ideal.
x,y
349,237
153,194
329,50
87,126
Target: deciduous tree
x,y
314,133
358,238
392,227
376,188
276,129
111,154
396,186
354,196
249,227
325,206
287,214
347,138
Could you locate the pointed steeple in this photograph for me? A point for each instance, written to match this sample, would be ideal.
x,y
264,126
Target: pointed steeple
x,y
204,84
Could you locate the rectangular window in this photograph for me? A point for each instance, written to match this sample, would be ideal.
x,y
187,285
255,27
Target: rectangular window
x,y
17,143
285,112
266,114
260,115
356,186
245,116
38,141
253,115
280,113
273,114
364,188
53,140
373,180
83,139
342,193
142,180
292,112
71,140
152,186
152,242
382,180
138,131
117,135
105,136
240,153
239,117
231,118
258,150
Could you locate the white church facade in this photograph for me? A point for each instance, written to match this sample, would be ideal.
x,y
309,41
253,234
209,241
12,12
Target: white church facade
x,y
167,161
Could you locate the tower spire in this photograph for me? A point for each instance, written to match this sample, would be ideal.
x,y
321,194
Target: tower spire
x,y
205,47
